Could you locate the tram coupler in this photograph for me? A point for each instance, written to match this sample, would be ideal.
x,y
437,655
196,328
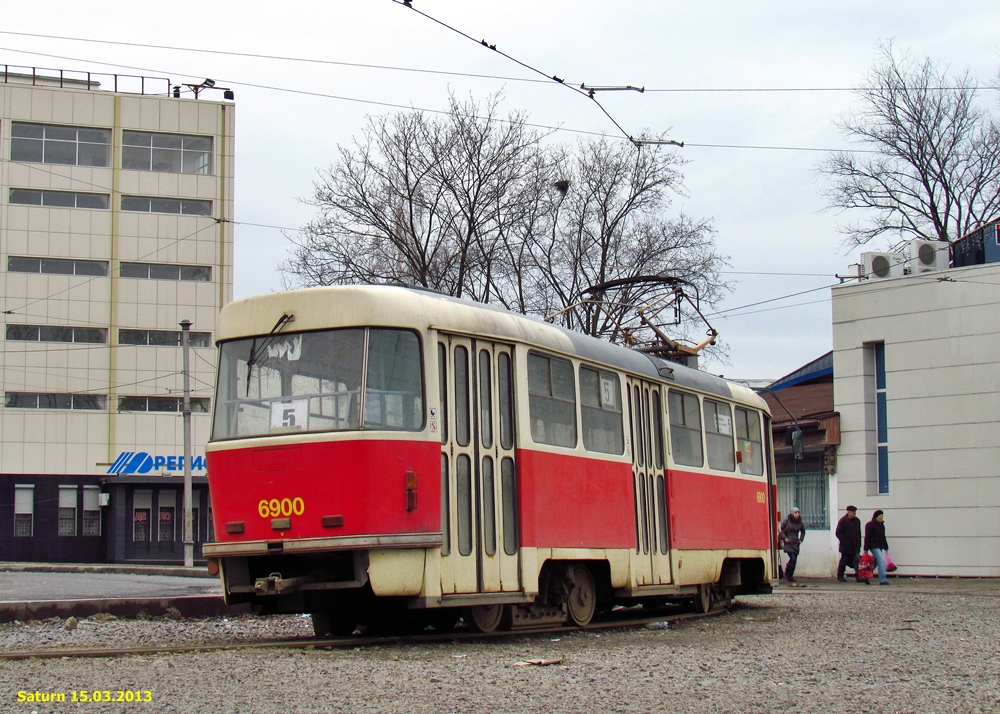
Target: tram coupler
x,y
274,584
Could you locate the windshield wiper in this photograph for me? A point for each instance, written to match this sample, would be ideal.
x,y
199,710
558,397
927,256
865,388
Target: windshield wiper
x,y
255,351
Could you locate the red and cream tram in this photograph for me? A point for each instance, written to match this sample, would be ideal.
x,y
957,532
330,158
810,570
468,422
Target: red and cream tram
x,y
384,452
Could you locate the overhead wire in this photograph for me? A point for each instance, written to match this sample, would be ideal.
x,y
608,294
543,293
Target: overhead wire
x,y
411,107
422,70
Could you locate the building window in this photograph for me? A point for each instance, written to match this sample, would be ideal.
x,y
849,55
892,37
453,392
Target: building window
x,y
165,521
551,400
685,428
163,338
159,271
62,199
807,491
24,511
91,510
881,425
163,404
50,333
57,266
51,144
170,153
35,400
195,510
601,411
67,510
142,508
146,204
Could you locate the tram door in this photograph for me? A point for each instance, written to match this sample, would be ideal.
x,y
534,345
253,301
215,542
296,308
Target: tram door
x,y
480,549
651,557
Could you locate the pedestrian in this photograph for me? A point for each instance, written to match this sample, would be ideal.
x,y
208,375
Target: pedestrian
x,y
849,534
793,532
875,542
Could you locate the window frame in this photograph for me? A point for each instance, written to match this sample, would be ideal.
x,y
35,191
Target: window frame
x,y
600,408
131,160
17,143
714,434
535,397
683,427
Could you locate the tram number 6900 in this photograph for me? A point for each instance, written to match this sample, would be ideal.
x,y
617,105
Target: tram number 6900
x,y
285,507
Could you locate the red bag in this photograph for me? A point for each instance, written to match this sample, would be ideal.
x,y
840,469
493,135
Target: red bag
x,y
866,567
889,565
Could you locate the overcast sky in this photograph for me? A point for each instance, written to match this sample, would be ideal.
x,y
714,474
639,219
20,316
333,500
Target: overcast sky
x,y
766,204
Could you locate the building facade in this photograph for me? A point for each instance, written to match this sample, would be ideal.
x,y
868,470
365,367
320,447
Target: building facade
x,y
917,386
115,225
803,400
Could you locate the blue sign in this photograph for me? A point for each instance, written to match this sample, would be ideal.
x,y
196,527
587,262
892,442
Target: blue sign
x,y
139,462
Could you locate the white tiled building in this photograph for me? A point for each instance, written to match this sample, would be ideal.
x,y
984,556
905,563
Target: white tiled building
x,y
917,384
115,225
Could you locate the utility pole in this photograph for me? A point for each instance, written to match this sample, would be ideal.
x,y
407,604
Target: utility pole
x,y
188,529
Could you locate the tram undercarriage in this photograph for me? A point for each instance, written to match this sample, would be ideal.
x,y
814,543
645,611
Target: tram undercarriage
x,y
336,588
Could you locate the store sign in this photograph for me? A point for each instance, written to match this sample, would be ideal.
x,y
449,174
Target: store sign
x,y
139,462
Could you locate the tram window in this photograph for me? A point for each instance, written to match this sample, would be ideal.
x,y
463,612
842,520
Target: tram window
x,y
485,399
658,429
462,396
464,500
719,436
661,505
551,400
646,428
640,436
601,411
748,439
489,507
445,512
313,381
505,382
393,385
443,389
685,428
508,484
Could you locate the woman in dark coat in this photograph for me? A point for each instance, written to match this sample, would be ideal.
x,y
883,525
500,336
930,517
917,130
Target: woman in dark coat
x,y
875,542
793,532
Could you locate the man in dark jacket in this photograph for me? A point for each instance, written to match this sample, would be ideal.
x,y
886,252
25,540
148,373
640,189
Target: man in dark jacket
x,y
849,534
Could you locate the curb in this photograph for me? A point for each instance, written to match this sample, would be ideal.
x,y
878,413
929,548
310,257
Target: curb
x,y
118,569
127,608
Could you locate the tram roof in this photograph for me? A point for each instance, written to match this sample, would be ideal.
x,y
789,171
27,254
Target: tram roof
x,y
397,306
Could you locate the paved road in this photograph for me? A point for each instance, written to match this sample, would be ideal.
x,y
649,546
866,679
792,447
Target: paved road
x,y
33,587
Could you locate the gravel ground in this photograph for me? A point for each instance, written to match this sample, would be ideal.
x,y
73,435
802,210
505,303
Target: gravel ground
x,y
856,650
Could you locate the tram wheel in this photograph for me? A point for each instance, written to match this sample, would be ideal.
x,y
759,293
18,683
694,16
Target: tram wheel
x,y
334,622
582,600
703,600
484,618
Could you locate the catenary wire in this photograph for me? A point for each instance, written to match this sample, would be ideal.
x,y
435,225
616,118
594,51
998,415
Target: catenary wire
x,y
410,107
361,65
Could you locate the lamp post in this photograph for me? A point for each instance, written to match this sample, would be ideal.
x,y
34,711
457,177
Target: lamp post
x,y
188,530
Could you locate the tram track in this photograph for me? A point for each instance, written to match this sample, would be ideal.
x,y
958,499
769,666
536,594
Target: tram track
x,y
309,643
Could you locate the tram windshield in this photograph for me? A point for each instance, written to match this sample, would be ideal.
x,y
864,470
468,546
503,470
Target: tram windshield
x,y
331,380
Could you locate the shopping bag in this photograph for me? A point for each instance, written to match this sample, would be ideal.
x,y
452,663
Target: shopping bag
x,y
866,566
889,565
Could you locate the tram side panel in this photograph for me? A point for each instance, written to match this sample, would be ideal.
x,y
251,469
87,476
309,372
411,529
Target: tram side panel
x,y
572,502
712,517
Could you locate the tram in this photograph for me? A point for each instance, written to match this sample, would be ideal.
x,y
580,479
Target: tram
x,y
389,454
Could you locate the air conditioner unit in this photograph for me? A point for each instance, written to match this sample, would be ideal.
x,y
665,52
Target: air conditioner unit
x,y
926,256
882,265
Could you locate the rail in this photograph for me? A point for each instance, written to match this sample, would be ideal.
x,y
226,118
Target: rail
x,y
76,79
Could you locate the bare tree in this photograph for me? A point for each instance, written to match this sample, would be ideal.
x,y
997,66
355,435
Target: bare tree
x,y
935,168
473,204
611,225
